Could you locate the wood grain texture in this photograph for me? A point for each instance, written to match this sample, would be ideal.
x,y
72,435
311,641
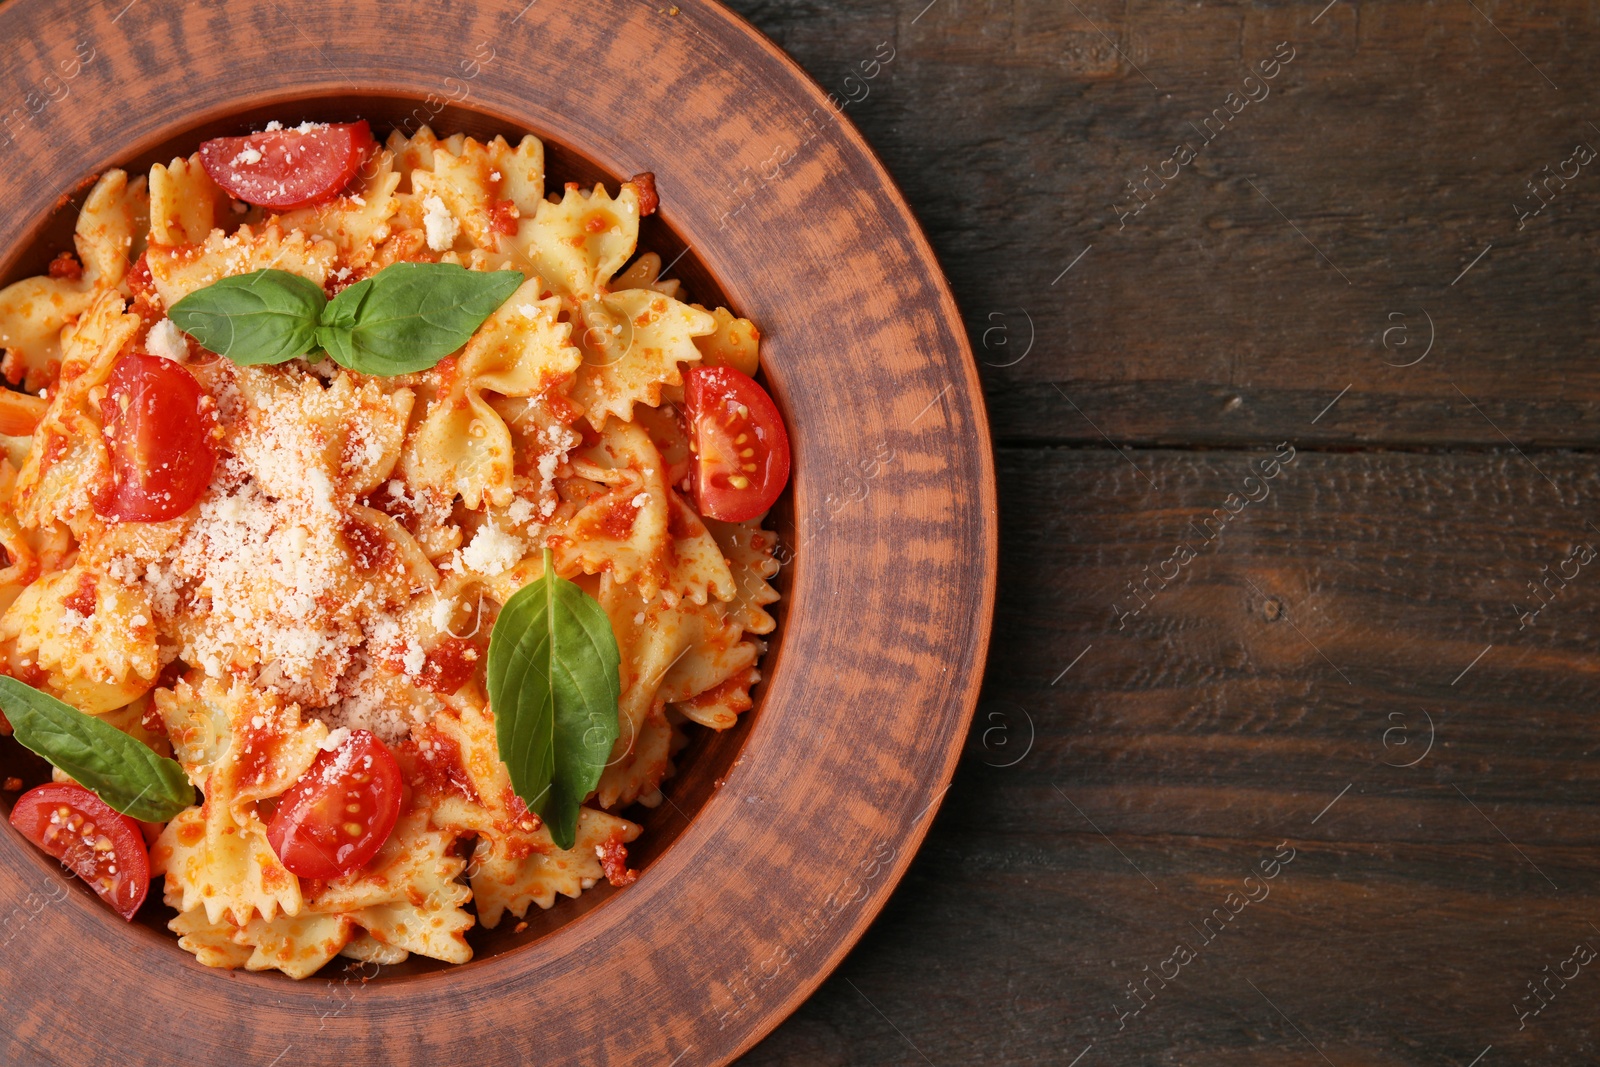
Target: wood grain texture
x,y
1209,730
784,837
1272,694
1396,141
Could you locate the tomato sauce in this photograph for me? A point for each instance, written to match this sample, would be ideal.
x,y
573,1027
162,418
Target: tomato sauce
x,y
448,665
369,547
617,522
437,769
503,217
614,862
66,267
649,199
83,598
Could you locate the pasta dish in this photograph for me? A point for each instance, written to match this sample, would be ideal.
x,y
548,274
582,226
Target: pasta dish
x,y
377,522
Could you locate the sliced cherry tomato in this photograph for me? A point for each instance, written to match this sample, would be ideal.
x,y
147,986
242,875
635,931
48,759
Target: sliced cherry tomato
x,y
97,843
741,448
158,427
290,168
340,812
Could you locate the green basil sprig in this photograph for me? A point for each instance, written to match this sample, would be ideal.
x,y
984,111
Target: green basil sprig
x,y
125,772
405,318
554,684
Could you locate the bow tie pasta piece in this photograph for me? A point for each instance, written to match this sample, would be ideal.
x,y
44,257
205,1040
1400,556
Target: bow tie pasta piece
x,y
223,866
91,638
521,172
454,768
749,550
69,452
645,273
434,929
183,202
656,636
112,229
720,706
735,343
621,527
217,856
297,945
211,943
33,313
462,445
577,244
673,651
407,900
196,721
504,882
349,434
179,271
635,777
412,154
357,222
719,651
227,738
633,342
23,563
481,191
698,570
408,897
110,234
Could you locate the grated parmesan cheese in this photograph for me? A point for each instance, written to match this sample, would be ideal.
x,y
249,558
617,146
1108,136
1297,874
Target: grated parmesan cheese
x,y
167,341
441,227
492,551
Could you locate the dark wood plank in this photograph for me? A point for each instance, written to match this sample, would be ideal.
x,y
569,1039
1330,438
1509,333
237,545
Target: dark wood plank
x,y
1258,284
1268,695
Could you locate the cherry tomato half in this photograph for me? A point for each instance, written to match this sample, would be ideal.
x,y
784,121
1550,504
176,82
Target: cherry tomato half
x,y
97,843
158,427
340,812
741,448
284,169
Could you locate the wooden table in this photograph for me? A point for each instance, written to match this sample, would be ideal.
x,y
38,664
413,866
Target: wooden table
x,y
1370,674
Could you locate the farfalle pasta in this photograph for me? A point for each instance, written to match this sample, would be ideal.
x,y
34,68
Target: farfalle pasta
x,y
353,536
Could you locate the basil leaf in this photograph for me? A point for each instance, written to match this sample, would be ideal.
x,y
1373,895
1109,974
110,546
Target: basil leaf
x,y
339,319
266,316
412,315
125,772
554,682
